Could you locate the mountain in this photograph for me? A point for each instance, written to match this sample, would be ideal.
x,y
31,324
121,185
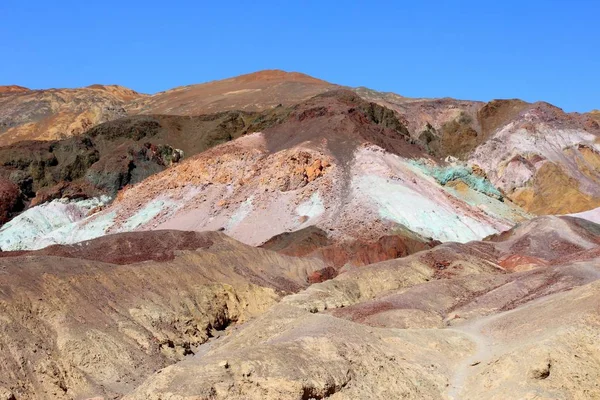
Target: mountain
x,y
58,113
114,154
273,235
420,170
61,113
335,162
521,147
450,157
251,92
13,89
534,153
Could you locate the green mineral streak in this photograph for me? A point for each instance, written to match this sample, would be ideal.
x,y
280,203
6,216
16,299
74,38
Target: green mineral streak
x,y
459,172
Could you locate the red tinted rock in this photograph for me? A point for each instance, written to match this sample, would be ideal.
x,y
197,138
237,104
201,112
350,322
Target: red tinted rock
x,y
128,248
10,197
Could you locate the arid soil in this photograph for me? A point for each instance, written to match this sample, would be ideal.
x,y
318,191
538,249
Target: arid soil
x,y
185,315
95,319
445,323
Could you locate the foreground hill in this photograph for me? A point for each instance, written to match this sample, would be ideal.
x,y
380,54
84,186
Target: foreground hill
x,y
166,314
97,318
58,113
448,323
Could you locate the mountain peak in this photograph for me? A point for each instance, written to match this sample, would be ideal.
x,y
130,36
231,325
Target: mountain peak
x,y
278,75
117,90
13,89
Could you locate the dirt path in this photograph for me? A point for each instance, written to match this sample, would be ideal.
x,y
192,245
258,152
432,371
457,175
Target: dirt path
x,y
482,353
478,332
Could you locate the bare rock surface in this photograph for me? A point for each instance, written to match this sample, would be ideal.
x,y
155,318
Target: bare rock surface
x,y
96,318
58,113
336,162
11,199
496,163
542,158
118,153
400,329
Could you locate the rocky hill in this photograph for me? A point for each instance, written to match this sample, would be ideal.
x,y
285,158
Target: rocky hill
x,y
448,323
96,319
543,159
187,315
335,161
251,92
58,113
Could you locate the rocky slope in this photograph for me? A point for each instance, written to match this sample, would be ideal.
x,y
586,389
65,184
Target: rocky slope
x,y
58,113
96,318
11,199
448,323
114,154
523,149
188,315
13,89
542,158
62,113
518,144
336,162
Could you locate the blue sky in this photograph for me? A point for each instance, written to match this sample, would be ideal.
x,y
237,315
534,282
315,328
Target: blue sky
x,y
534,50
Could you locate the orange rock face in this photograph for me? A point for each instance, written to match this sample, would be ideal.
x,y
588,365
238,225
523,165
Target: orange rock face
x,y
13,89
313,171
58,113
517,262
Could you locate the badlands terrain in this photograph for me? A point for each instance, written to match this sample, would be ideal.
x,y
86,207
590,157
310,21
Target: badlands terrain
x,y
277,236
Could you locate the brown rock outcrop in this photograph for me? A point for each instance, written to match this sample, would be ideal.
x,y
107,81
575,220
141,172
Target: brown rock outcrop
x,y
401,329
10,199
58,113
74,326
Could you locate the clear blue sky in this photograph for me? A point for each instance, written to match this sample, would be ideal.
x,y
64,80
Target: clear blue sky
x,y
534,50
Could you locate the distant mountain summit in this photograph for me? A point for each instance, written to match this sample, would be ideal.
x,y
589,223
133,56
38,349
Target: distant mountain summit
x,y
61,113
58,113
251,92
13,89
